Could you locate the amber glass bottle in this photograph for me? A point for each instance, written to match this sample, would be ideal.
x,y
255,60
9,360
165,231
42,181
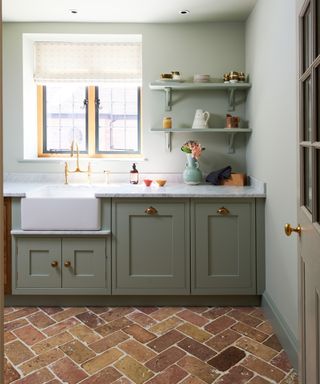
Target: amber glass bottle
x,y
134,175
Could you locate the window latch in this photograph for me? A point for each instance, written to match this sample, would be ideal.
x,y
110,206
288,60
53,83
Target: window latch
x,y
98,103
85,104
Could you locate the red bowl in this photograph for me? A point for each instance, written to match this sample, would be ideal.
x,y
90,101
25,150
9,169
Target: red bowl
x,y
147,182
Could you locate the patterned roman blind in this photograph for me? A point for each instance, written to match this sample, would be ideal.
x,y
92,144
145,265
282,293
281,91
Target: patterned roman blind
x,y
57,61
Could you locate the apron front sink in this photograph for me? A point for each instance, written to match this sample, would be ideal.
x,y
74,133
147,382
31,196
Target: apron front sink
x,y
61,208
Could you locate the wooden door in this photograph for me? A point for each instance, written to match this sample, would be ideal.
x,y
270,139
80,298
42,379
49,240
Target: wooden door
x,y
7,245
83,263
38,263
150,252
223,247
309,205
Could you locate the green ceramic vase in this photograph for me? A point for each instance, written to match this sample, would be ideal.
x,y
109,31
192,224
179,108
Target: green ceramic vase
x,y
192,174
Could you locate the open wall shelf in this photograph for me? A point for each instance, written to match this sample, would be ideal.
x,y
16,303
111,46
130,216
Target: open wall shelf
x,y
230,132
169,87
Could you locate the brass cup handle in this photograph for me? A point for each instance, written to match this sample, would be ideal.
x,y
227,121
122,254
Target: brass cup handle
x,y
67,264
54,264
151,211
288,229
223,211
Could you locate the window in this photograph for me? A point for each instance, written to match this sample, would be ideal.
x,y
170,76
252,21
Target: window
x,y
88,93
103,120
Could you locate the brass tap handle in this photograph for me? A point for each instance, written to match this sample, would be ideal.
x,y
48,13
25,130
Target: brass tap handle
x,y
223,211
54,264
288,229
89,171
66,170
151,211
67,264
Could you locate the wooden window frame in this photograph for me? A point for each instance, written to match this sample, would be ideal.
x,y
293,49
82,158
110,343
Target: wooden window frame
x,y
92,125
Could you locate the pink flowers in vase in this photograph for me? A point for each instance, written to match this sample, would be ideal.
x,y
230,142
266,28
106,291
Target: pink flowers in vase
x,y
192,147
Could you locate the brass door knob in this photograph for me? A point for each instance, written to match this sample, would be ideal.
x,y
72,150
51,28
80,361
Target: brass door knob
x,y
67,264
223,211
54,264
151,211
288,229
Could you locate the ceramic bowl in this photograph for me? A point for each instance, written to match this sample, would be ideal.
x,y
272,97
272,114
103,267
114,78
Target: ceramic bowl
x,y
161,182
147,182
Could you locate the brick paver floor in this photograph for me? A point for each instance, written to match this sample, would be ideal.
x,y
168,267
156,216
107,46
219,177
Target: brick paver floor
x,y
152,345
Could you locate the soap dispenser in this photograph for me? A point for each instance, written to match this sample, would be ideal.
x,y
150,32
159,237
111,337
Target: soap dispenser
x,y
134,175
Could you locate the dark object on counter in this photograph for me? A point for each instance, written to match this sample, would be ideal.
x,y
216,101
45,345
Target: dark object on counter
x,y
134,175
216,177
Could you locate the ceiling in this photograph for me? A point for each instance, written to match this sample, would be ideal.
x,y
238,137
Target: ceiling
x,y
126,11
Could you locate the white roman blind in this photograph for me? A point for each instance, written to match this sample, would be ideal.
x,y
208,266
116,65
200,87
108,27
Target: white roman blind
x,y
58,61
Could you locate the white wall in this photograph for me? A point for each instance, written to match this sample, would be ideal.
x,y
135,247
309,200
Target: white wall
x,y
212,48
272,149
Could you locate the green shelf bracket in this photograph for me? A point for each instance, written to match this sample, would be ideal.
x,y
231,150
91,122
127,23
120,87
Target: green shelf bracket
x,y
168,98
168,141
230,141
231,99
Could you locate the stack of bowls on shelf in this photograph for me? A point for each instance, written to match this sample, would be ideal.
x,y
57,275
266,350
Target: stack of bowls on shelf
x,y
199,78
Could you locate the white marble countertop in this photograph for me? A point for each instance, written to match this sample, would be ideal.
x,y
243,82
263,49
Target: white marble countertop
x,y
257,189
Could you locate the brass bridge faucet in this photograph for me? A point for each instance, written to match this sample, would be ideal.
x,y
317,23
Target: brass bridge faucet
x,y
77,169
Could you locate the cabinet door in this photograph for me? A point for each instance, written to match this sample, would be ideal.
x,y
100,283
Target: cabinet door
x,y
223,248
83,263
7,244
38,263
150,247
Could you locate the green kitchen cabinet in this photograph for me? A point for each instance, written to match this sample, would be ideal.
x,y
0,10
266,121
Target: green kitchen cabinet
x,y
54,265
39,263
150,246
84,263
223,255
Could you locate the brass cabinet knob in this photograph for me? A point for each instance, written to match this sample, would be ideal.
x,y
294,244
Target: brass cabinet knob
x,y
151,211
223,211
54,264
288,229
67,264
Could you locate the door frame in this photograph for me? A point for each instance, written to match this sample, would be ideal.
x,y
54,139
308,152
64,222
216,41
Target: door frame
x,y
1,215
313,145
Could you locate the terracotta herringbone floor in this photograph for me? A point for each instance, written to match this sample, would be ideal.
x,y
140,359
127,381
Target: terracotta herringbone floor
x,y
169,345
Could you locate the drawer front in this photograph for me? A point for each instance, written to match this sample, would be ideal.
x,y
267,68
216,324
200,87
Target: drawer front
x,y
150,248
83,263
223,248
38,263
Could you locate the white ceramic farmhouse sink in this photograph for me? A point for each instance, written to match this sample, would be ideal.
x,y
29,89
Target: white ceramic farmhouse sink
x,y
59,208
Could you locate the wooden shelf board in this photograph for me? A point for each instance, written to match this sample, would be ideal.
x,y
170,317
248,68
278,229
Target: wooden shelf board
x,y
205,130
159,86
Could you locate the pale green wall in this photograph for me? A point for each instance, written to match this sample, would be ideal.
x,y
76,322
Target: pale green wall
x,y
212,48
272,148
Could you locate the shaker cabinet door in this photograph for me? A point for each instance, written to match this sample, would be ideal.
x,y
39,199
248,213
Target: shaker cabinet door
x,y
150,252
223,247
83,263
38,263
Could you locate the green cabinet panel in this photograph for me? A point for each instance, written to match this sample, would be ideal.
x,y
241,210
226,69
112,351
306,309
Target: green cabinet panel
x,y
223,247
55,265
84,263
150,248
38,263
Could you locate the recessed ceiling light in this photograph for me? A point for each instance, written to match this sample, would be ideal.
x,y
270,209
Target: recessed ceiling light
x,y
184,12
73,11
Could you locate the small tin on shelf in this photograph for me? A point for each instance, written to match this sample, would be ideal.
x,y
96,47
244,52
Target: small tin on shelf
x,y
167,122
